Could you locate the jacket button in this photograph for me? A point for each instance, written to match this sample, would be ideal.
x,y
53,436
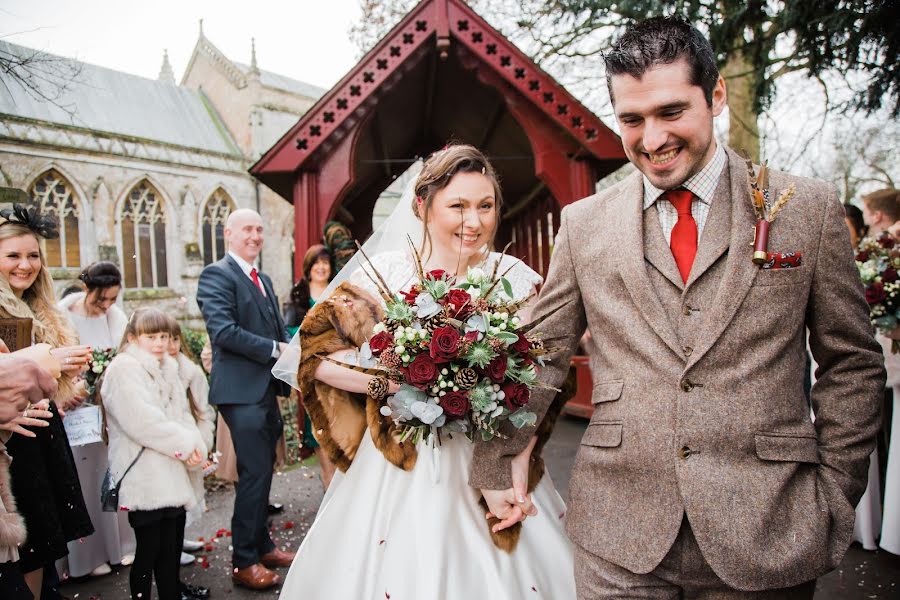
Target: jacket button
x,y
687,350
686,385
686,310
684,452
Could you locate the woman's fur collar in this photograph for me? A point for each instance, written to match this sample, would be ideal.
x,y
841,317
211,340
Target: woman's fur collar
x,y
115,316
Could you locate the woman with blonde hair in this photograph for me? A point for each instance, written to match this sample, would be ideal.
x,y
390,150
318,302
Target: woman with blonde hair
x,y
44,479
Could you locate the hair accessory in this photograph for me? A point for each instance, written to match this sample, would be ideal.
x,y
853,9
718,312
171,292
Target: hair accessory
x,y
418,199
45,226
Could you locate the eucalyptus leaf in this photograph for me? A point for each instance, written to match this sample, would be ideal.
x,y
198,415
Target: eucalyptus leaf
x,y
507,286
523,417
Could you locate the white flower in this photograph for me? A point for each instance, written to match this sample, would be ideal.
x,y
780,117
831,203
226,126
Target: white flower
x,y
379,327
426,306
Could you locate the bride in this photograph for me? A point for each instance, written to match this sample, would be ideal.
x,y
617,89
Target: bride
x,y
401,522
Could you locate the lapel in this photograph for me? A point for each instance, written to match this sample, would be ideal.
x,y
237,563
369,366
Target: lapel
x,y
740,271
717,231
257,296
657,251
629,238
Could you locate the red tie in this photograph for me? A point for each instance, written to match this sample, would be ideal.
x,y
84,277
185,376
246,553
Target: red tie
x,y
684,234
254,275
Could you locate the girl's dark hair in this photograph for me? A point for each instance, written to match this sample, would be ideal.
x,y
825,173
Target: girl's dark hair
x,y
662,41
100,275
854,214
175,333
436,174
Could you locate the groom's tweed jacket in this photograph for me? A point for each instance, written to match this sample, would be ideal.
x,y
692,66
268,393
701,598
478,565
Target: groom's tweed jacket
x,y
698,389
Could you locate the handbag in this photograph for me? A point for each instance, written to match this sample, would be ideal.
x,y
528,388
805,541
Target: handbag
x,y
109,493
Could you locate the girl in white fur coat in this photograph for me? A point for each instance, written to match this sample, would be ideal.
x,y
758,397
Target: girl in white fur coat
x,y
146,407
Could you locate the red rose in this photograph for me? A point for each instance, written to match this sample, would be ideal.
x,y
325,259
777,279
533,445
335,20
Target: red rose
x,y
522,345
436,274
862,256
421,372
516,395
460,302
875,293
472,336
445,343
889,275
410,296
886,241
496,369
455,404
380,342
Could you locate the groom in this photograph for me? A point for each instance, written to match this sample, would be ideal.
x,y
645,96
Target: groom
x,y
247,335
701,473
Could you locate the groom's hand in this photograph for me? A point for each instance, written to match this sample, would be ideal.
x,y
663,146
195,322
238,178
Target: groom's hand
x,y
503,505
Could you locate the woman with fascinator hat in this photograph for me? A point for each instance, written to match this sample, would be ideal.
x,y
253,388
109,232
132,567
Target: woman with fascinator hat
x,y
43,475
400,520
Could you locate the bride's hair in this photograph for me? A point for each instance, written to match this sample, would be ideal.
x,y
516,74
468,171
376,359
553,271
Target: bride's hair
x,y
436,174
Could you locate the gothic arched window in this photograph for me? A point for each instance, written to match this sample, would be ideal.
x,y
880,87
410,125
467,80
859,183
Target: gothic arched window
x,y
212,225
142,224
53,195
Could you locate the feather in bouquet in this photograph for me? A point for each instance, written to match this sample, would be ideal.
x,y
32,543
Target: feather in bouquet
x,y
878,261
100,359
463,358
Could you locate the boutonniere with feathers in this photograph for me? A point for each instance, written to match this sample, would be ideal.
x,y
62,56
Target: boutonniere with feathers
x,y
45,226
763,207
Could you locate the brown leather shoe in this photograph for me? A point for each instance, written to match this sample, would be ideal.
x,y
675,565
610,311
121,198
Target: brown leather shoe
x,y
277,558
255,577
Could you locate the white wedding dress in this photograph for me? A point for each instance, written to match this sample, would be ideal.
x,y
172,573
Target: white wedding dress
x,y
384,533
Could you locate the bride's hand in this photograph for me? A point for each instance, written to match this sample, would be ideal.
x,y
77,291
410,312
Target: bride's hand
x,y
520,466
502,505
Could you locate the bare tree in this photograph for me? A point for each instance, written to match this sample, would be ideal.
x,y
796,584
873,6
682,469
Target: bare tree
x,y
45,77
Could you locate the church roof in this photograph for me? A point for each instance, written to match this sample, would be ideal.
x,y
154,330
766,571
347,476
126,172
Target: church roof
x,y
109,101
280,82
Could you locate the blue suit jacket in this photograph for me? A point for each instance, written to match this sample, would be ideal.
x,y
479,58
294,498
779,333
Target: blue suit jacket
x,y
242,324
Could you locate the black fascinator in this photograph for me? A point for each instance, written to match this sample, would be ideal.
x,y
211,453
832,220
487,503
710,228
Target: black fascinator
x,y
45,226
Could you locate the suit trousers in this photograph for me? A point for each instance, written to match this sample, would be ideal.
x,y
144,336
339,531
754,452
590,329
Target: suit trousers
x,y
255,429
682,574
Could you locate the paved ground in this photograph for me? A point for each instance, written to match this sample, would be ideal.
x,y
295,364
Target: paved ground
x,y
862,575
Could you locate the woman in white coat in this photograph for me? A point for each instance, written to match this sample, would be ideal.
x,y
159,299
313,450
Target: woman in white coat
x,y
100,324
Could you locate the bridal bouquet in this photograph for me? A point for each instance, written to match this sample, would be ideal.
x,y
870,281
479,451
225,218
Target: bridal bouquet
x,y
463,358
100,359
878,261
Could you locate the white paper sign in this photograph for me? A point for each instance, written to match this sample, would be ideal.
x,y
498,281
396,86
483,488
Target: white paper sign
x,y
83,425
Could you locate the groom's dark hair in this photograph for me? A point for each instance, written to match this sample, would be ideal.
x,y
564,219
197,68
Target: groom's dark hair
x,y
662,41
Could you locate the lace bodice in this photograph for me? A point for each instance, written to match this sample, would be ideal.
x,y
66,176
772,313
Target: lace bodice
x,y
398,270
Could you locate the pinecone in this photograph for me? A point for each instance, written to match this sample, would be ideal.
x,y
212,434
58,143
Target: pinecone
x,y
377,388
434,322
390,359
466,378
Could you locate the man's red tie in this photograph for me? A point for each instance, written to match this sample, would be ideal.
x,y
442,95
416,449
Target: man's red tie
x,y
684,234
254,275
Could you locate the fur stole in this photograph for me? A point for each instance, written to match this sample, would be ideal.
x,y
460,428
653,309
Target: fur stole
x,y
12,527
341,418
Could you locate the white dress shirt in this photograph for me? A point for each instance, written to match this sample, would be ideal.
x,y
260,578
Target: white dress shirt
x,y
247,268
702,185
